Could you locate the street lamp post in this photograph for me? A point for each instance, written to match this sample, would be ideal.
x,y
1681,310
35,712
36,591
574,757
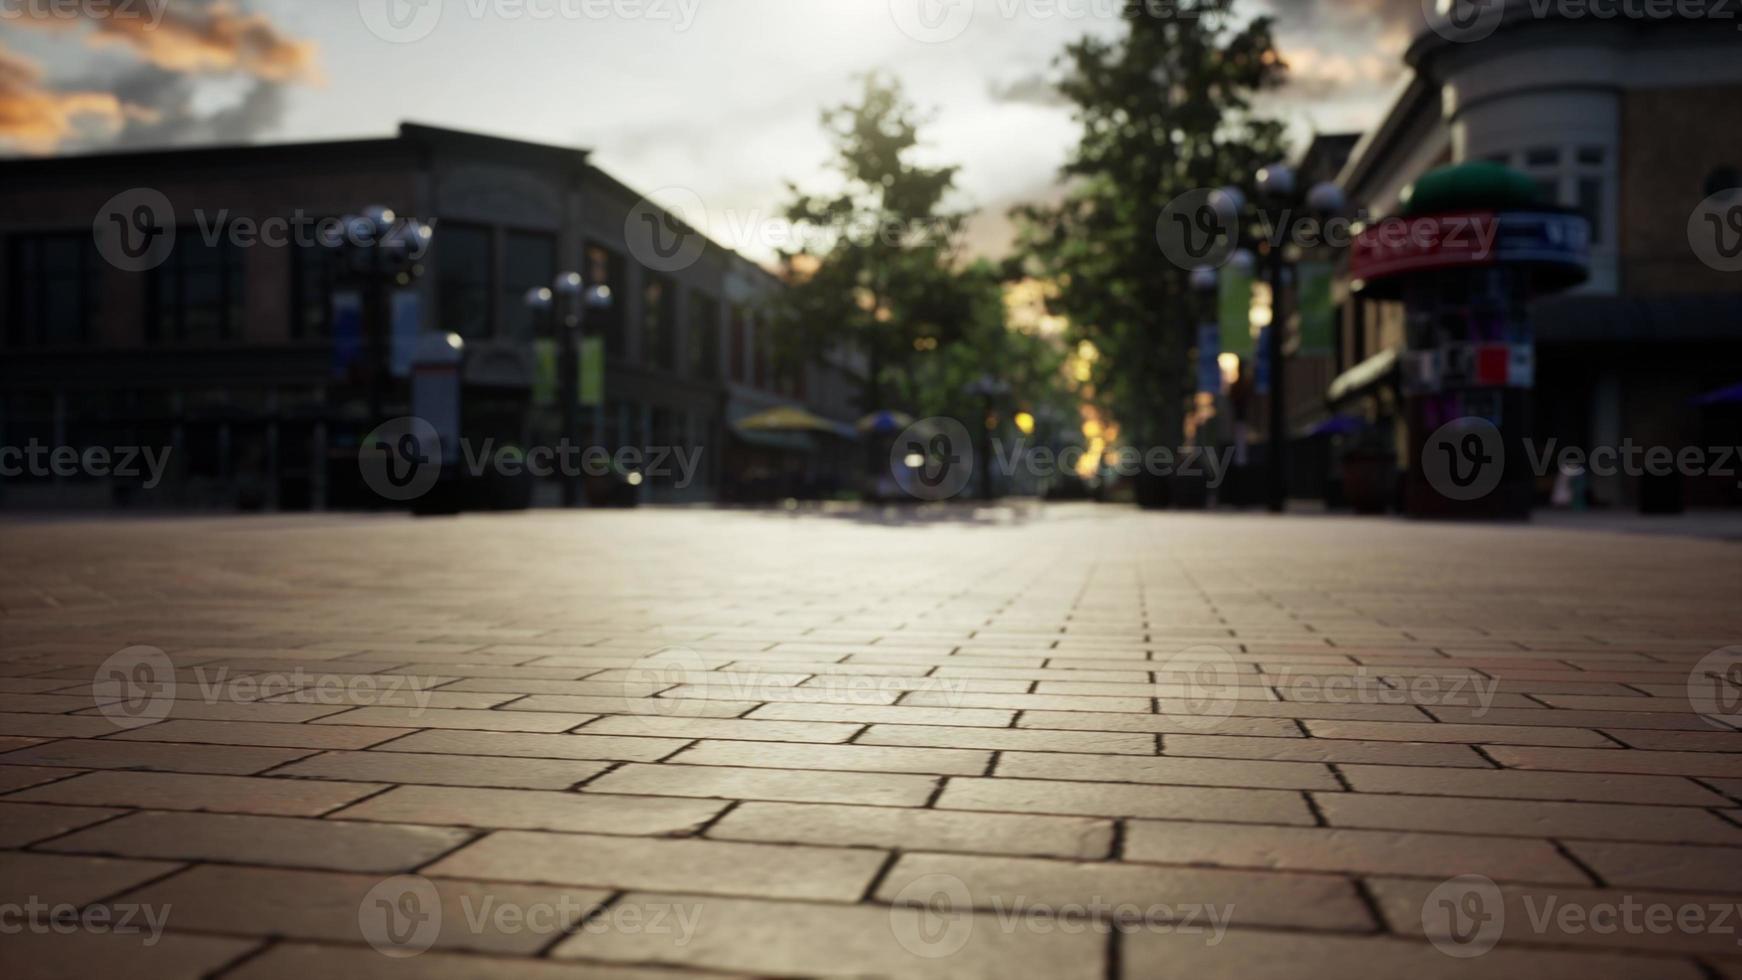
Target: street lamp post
x,y
1278,191
989,389
382,253
570,299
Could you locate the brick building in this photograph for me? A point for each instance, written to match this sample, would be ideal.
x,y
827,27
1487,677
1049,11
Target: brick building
x,y
232,349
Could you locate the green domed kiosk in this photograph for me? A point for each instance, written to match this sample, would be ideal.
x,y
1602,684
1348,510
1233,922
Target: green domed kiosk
x,y
1469,250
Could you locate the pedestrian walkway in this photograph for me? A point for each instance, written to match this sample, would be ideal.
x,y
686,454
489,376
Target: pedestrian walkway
x,y
1071,742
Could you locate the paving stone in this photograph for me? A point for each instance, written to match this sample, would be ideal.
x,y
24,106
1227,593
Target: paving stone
x,y
324,905
446,770
1340,849
299,961
26,823
1019,886
1527,818
657,726
535,745
56,879
277,841
596,813
1513,784
182,791
804,786
856,758
911,829
1323,750
1607,760
788,939
162,757
717,867
1259,955
500,721
258,733
117,956
1008,738
1113,800
1169,771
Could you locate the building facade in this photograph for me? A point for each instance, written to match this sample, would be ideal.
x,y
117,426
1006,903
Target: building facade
x,y
1635,122
238,348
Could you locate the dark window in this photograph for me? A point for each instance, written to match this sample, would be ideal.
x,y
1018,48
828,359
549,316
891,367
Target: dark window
x,y
1723,179
1542,156
195,296
704,337
740,347
761,356
311,291
463,274
1590,204
528,263
658,316
605,268
55,289
1592,156
1548,190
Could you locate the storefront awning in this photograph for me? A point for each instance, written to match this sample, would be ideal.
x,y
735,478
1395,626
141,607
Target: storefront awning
x,y
1362,376
790,419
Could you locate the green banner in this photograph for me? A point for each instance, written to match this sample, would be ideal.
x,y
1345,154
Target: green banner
x,y
1317,314
1235,304
544,358
592,364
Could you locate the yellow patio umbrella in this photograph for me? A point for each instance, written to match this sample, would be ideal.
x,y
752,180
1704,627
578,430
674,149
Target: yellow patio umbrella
x,y
786,418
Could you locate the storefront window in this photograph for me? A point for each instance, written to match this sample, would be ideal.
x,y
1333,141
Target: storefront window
x,y
463,274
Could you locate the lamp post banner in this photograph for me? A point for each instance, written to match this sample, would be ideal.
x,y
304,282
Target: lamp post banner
x,y
1235,306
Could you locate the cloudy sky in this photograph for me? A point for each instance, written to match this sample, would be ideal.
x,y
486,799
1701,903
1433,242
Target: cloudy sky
x,y
717,96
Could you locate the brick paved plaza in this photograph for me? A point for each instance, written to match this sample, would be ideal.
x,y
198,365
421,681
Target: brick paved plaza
x,y
1072,743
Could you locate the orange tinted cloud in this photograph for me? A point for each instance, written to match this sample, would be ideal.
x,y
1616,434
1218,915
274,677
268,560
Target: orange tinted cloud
x,y
218,39
36,118
182,36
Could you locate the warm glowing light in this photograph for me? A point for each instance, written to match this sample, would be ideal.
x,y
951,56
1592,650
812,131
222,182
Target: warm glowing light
x,y
1092,429
913,461
1024,423
634,479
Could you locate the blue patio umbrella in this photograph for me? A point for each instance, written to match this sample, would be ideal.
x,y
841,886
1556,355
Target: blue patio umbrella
x,y
1723,396
885,423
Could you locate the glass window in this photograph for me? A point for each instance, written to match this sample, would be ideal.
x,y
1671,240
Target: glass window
x,y
463,274
604,267
195,296
1548,190
704,337
529,261
311,291
1542,156
1592,156
658,345
740,348
55,289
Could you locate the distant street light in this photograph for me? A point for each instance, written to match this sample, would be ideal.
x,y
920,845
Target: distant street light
x,y
570,299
